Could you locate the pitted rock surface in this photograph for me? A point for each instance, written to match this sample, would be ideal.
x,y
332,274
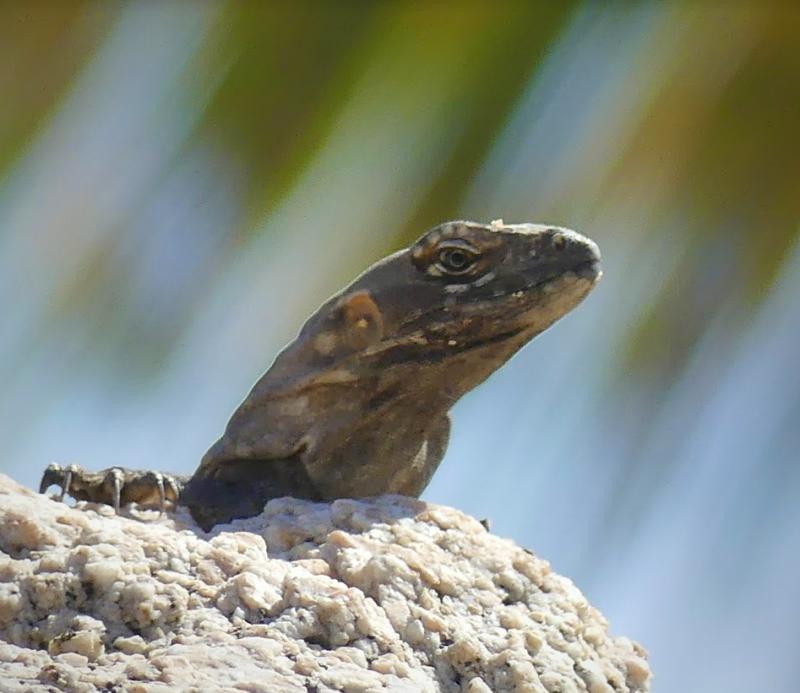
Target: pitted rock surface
x,y
386,594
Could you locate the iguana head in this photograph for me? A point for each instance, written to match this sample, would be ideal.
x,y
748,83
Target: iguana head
x,y
484,282
461,286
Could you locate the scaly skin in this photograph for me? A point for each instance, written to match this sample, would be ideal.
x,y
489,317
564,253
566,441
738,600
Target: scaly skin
x,y
357,405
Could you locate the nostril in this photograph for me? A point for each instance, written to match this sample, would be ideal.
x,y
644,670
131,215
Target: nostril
x,y
558,240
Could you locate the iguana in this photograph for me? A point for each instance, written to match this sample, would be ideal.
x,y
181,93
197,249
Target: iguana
x,y
357,405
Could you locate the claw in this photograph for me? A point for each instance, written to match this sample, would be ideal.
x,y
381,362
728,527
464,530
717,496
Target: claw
x,y
68,474
115,477
158,479
162,494
64,485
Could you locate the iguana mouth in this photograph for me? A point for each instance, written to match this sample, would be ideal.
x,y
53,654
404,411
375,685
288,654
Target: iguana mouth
x,y
402,350
587,271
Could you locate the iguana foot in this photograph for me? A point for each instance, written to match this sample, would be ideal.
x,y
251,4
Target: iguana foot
x,y
115,486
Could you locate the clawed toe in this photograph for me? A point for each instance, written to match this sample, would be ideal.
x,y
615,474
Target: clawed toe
x,y
56,475
158,480
113,481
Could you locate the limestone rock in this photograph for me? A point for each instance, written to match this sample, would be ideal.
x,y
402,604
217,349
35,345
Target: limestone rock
x,y
360,596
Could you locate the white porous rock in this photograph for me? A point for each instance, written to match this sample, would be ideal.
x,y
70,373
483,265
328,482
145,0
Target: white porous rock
x,y
359,596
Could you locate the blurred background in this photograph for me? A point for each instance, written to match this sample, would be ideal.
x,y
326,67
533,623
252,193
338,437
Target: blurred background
x,y
181,184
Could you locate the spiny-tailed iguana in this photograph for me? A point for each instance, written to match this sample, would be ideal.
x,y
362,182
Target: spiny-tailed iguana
x,y
357,405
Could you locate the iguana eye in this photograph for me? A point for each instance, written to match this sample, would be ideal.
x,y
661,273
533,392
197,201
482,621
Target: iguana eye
x,y
456,260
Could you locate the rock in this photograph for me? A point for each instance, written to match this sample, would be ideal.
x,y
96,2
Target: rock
x,y
359,596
